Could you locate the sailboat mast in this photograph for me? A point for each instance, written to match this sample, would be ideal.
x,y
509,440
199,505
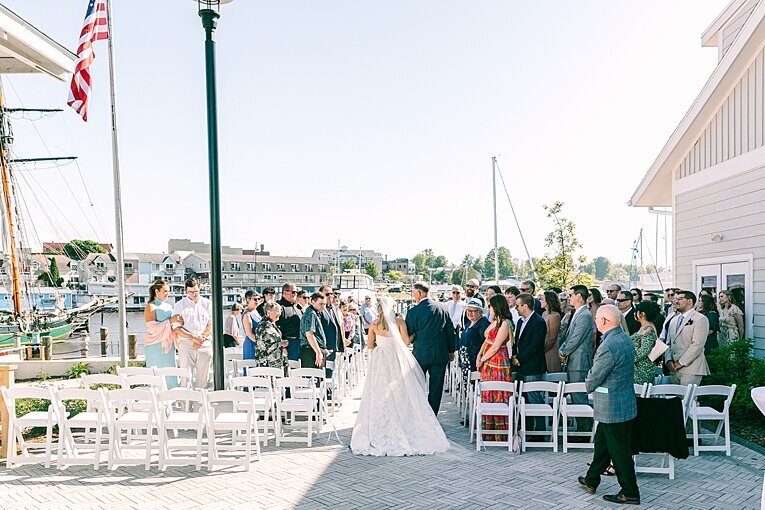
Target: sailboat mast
x,y
5,175
494,186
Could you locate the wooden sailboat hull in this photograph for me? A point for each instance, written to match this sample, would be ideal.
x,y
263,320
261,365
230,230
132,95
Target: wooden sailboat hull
x,y
59,329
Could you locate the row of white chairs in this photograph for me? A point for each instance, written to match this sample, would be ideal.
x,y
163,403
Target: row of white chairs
x,y
558,409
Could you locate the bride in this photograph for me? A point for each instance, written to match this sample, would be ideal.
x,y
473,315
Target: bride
x,y
394,417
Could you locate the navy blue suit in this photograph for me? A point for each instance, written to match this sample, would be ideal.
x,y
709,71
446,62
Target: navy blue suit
x,y
432,333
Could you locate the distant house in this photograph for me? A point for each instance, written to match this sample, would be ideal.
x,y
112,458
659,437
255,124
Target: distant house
x,y
711,171
360,258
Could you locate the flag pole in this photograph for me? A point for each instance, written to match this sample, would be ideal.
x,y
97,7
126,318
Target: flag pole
x,y
118,242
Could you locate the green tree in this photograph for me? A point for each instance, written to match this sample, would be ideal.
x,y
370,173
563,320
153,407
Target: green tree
x,y
78,249
507,266
427,260
599,267
394,276
348,264
618,272
51,277
559,269
371,270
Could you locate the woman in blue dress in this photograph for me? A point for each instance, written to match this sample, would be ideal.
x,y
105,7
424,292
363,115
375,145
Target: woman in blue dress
x,y
159,346
250,320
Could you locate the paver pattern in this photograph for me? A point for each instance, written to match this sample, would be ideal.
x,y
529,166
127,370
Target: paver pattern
x,y
328,475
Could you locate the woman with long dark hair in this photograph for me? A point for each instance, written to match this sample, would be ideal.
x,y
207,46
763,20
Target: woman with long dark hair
x,y
552,316
493,361
644,341
160,343
708,308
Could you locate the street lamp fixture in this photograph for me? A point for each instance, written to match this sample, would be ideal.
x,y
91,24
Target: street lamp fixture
x,y
209,11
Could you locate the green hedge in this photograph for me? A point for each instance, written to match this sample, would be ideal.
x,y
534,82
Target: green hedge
x,y
735,364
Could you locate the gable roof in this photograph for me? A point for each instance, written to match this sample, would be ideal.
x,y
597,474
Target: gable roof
x,y
656,187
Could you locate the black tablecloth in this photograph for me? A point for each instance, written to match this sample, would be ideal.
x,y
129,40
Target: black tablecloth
x,y
659,427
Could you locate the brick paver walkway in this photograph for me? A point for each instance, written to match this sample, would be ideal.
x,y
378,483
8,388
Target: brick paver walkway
x,y
330,476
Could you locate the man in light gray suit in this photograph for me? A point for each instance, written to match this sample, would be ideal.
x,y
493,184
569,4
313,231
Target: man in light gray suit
x,y
610,382
576,351
687,332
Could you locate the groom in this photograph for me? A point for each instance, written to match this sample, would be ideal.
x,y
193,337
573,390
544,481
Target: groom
x,y
432,334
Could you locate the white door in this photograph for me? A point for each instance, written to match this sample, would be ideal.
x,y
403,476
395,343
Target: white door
x,y
733,275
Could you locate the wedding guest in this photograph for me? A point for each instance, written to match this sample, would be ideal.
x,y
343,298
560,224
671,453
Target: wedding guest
x,y
473,290
232,336
313,343
368,313
456,308
593,303
613,290
708,308
566,312
687,336
160,343
269,294
669,295
493,361
303,300
529,287
349,323
353,309
644,341
731,319
637,296
250,321
576,349
614,405
269,345
552,317
511,293
471,339
289,320
194,336
491,290
624,303
529,352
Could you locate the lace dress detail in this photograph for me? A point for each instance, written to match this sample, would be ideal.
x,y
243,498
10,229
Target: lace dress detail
x,y
394,417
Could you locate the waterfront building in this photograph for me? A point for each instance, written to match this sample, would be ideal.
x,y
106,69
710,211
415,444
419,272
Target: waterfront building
x,y
360,258
711,172
405,265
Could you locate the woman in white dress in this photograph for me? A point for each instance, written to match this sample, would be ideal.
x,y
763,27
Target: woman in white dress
x,y
394,417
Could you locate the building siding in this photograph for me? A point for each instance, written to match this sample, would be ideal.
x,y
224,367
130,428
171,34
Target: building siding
x,y
734,208
734,26
737,127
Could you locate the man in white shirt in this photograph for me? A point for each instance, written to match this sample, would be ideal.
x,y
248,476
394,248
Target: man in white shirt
x,y
456,307
194,337
368,313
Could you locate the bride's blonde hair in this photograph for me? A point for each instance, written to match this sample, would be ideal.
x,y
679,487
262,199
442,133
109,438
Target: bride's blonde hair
x,y
383,324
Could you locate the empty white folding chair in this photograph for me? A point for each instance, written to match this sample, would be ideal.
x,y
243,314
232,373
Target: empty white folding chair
x,y
332,384
230,355
175,377
135,371
130,410
544,410
110,381
92,421
261,390
230,412
470,393
699,413
497,409
318,376
16,425
568,410
174,414
294,407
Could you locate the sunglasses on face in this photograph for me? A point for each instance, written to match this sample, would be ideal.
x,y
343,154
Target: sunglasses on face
x,y
525,289
623,300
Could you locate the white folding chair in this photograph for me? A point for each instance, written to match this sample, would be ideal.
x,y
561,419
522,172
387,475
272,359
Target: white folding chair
x,y
169,403
568,410
177,375
333,385
505,409
17,424
144,382
230,355
641,390
230,412
555,377
135,371
470,393
705,413
90,380
130,410
261,390
295,406
292,364
319,377
527,410
92,421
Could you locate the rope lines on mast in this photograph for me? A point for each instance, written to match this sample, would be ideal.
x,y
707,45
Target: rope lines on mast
x,y
517,224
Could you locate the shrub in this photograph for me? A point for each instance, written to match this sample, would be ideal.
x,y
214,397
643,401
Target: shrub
x,y
77,370
734,364
42,376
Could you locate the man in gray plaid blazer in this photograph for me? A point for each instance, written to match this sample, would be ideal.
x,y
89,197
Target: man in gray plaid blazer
x,y
611,383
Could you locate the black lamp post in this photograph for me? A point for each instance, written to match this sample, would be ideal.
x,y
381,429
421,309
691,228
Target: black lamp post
x,y
209,11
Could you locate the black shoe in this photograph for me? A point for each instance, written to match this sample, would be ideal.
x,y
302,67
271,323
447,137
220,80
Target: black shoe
x,y
589,489
622,499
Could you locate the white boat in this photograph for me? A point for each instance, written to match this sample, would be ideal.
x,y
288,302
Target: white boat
x,y
353,283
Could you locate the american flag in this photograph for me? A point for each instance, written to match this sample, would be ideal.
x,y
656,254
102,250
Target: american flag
x,y
94,29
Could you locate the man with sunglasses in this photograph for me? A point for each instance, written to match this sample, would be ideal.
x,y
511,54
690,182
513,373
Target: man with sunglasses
x,y
624,303
289,321
456,308
368,313
529,287
332,324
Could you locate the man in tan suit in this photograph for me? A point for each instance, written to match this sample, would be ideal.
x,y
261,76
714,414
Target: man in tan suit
x,y
688,332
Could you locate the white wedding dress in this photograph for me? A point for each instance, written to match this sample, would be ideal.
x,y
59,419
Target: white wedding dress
x,y
394,417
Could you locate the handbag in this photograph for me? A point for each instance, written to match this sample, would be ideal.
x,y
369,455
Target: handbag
x,y
658,349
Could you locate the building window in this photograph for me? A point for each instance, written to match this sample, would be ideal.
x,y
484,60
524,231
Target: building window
x,y
128,266
295,268
266,276
230,298
251,266
169,267
139,300
280,267
100,265
155,267
235,266
307,278
265,266
309,268
322,268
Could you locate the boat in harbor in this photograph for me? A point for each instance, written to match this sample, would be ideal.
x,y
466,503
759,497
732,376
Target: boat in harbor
x,y
353,283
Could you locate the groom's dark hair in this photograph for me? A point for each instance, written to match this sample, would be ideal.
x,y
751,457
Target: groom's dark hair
x,y
422,287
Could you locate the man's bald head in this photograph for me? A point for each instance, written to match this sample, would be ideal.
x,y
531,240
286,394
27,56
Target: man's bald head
x,y
608,318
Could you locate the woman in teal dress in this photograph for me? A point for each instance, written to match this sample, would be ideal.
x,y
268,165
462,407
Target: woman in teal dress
x,y
159,346
644,341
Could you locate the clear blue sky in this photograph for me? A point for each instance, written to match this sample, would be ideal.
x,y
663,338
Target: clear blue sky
x,y
353,120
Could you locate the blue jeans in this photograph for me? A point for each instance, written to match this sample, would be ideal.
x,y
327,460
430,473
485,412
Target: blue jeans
x,y
293,349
